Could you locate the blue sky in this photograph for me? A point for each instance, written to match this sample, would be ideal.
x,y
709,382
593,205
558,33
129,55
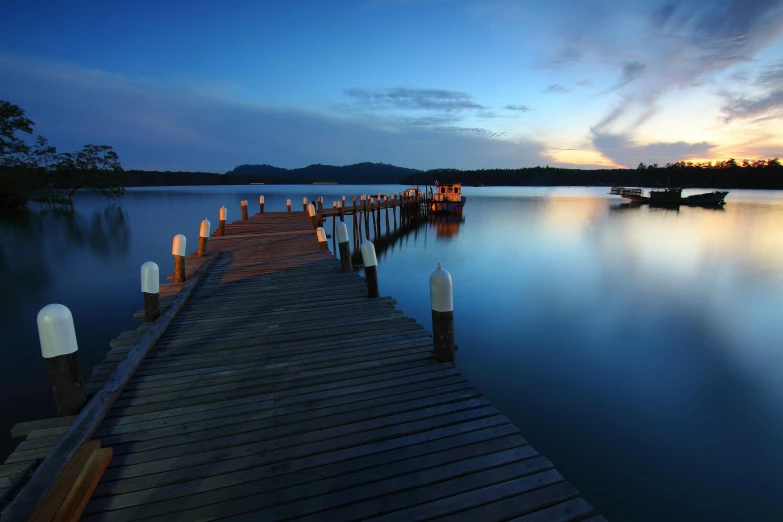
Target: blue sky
x,y
418,83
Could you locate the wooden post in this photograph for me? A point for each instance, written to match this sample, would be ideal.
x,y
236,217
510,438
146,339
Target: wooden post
x,y
321,234
203,236
178,251
372,212
261,204
394,214
59,348
370,268
366,218
313,219
320,203
288,205
334,221
386,205
343,201
442,304
344,247
222,223
341,208
243,204
355,223
304,204
150,287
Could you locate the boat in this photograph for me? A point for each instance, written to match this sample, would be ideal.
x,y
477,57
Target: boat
x,y
413,193
670,196
447,199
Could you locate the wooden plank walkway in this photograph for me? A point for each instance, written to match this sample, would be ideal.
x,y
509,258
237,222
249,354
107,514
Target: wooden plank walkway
x,y
279,391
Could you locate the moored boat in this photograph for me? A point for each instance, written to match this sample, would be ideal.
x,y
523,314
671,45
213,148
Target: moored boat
x,y
670,196
448,199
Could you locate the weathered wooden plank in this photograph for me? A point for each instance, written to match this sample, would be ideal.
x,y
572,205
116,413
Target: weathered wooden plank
x,y
411,374
135,477
281,427
150,428
25,503
332,463
23,429
50,503
569,511
369,479
76,500
261,441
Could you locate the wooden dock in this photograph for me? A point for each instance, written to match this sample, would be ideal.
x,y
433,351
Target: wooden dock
x,y
275,389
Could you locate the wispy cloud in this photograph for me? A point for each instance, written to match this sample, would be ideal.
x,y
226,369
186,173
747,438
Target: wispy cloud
x,y
518,108
622,149
556,88
413,99
157,127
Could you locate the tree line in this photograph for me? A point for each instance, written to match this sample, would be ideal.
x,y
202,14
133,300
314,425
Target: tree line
x,y
40,173
758,174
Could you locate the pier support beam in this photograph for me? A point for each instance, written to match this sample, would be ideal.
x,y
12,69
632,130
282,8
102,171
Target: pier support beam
x,y
243,204
304,204
288,205
150,287
261,204
370,268
59,348
178,251
442,304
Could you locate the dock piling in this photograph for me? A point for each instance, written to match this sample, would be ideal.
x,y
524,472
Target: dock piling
x,y
304,204
243,204
203,237
442,304
370,268
344,247
178,251
223,215
58,346
150,287
288,205
321,234
261,204
311,212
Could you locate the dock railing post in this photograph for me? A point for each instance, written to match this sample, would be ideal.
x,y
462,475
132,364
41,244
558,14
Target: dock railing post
x,y
304,204
150,287
261,204
442,304
321,234
288,205
203,236
59,348
222,222
243,204
313,219
344,247
370,268
178,251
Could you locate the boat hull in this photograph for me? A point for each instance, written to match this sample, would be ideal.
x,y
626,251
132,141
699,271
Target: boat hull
x,y
711,198
447,207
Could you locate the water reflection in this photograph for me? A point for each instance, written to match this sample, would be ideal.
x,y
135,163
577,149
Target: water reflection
x,y
35,245
446,226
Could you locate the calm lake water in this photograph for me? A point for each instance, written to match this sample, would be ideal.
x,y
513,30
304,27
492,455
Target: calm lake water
x,y
640,349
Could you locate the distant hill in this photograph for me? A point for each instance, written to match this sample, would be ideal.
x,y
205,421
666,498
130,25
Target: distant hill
x,y
358,173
